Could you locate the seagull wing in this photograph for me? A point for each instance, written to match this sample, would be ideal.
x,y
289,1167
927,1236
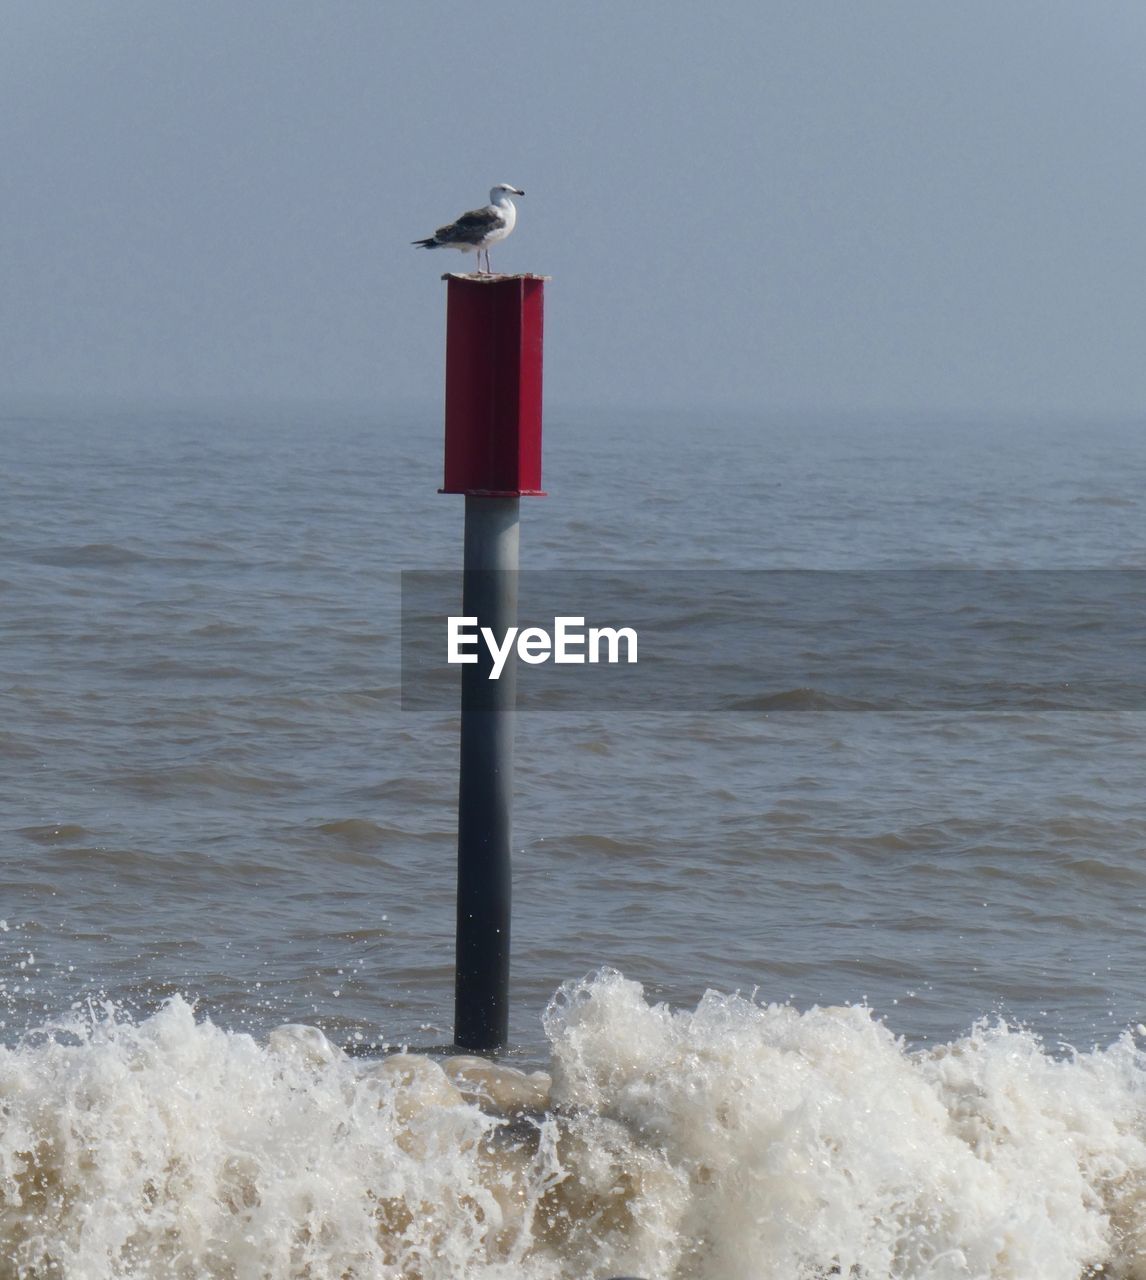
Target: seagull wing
x,y
472,227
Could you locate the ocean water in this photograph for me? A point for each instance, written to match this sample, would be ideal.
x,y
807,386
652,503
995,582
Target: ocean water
x,y
796,992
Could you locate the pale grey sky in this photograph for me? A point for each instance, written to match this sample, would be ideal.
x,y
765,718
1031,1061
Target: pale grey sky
x,y
862,205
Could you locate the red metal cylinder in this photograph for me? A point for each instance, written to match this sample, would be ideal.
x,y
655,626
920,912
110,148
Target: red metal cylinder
x,y
494,332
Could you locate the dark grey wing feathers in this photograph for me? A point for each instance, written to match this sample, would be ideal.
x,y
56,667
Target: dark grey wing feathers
x,y
471,227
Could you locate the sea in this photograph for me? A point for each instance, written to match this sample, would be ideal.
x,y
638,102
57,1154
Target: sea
x,y
805,982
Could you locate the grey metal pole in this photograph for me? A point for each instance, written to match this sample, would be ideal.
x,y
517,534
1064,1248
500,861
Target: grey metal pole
x,y
485,793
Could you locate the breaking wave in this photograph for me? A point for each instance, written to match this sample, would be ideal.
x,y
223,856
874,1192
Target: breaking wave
x,y
735,1140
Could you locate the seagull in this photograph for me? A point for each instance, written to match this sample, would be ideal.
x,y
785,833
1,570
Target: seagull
x,y
479,228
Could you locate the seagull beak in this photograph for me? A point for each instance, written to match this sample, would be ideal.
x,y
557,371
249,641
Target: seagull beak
x,y
520,193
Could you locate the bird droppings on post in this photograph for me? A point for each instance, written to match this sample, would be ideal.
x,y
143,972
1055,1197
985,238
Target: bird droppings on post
x,y
485,277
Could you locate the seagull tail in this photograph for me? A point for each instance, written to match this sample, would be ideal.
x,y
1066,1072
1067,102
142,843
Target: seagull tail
x,y
431,243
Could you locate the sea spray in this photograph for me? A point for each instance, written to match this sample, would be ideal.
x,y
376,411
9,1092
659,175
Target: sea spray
x,y
174,1149
731,1141
813,1143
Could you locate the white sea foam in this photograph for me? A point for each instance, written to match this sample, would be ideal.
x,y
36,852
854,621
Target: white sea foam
x,y
733,1141
814,1140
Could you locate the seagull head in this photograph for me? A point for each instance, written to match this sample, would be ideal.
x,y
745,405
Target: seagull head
x,y
502,191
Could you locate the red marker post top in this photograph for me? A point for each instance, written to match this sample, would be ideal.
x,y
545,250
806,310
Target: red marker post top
x,y
494,332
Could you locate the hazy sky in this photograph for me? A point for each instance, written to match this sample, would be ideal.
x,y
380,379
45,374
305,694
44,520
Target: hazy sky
x,y
856,204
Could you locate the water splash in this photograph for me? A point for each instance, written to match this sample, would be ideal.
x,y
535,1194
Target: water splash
x,y
732,1141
